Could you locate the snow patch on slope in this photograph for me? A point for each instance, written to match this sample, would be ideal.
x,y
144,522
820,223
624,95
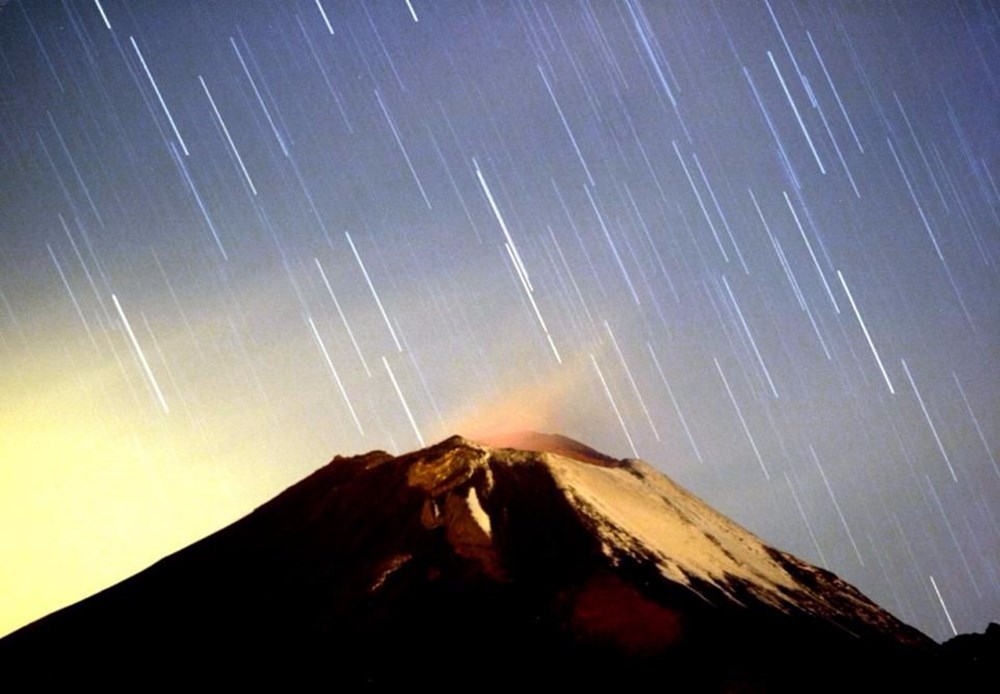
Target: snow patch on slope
x,y
388,569
478,514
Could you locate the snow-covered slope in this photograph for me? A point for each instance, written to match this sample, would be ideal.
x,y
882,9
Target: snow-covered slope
x,y
638,513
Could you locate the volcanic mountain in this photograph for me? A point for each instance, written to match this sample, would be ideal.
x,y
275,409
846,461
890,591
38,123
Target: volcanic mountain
x,y
472,566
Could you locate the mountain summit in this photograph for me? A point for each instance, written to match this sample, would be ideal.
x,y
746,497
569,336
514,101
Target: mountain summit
x,y
467,565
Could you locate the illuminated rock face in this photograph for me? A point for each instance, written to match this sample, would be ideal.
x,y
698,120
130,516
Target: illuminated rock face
x,y
468,565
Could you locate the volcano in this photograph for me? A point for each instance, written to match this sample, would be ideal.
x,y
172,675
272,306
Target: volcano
x,y
527,559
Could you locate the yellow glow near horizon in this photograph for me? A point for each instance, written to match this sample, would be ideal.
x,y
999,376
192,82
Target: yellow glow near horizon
x,y
92,491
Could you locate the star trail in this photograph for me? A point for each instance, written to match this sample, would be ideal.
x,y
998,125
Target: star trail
x,y
756,244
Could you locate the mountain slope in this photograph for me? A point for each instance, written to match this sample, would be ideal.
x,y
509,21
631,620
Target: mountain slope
x,y
463,564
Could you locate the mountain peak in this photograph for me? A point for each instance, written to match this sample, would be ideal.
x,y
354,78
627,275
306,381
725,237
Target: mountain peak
x,y
527,440
522,552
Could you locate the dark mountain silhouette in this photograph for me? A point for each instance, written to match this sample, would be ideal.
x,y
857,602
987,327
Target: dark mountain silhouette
x,y
466,567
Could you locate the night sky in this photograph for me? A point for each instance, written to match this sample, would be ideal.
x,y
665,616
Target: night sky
x,y
755,244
